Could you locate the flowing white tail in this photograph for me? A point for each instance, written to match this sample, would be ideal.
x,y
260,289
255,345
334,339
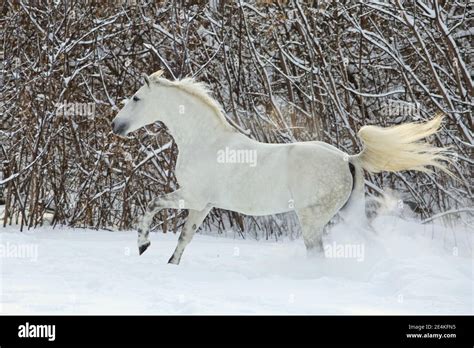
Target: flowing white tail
x,y
398,148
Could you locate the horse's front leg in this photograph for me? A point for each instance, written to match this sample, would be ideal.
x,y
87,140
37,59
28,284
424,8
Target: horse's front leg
x,y
195,219
173,200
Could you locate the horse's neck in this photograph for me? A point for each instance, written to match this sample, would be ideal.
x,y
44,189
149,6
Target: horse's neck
x,y
198,127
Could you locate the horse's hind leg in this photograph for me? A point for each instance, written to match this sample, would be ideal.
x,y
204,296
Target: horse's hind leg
x,y
195,219
312,220
171,200
312,230
353,211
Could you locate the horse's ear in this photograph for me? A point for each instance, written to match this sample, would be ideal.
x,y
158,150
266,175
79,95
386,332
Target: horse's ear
x,y
156,74
147,81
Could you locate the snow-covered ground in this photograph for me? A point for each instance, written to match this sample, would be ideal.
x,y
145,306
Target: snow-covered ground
x,y
405,267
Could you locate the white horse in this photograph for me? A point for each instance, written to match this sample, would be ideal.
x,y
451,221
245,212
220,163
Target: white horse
x,y
218,166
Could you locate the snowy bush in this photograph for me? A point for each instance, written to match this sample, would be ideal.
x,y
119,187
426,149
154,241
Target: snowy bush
x,y
283,71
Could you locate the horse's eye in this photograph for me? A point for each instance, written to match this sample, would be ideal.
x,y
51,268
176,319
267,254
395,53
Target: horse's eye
x,y
135,98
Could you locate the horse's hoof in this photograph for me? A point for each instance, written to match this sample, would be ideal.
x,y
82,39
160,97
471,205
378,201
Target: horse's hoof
x,y
173,261
143,247
315,252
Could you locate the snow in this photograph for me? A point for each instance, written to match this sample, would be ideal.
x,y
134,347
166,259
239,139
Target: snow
x,y
405,268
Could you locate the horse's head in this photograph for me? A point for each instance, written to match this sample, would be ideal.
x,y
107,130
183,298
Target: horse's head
x,y
140,110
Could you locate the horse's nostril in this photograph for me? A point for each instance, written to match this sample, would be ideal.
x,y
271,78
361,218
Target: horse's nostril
x,y
119,128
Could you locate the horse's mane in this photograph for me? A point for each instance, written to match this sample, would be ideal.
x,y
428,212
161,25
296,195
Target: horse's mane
x,y
198,89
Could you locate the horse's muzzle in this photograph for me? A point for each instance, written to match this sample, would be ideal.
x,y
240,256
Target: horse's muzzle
x,y
119,128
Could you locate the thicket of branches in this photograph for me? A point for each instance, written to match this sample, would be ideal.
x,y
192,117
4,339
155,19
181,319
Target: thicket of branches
x,y
283,71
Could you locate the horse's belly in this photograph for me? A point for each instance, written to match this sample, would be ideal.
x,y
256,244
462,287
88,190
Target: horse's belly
x,y
278,190
256,192
280,178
